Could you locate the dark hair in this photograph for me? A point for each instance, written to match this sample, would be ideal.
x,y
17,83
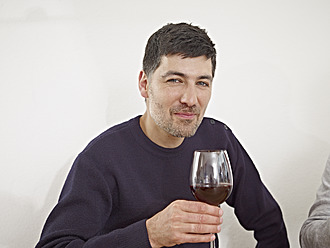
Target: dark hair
x,y
181,38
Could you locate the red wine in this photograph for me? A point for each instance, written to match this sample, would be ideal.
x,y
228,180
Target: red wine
x,y
211,194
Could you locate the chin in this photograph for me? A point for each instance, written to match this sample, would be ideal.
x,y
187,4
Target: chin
x,y
180,133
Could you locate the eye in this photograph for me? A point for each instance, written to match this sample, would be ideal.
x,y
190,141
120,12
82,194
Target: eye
x,y
174,80
203,84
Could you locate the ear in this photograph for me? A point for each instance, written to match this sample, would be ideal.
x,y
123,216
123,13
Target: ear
x,y
143,84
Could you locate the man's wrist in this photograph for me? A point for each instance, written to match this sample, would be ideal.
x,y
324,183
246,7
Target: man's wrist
x,y
149,227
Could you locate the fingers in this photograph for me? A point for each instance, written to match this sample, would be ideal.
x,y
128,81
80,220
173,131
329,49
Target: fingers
x,y
202,218
197,228
197,218
184,222
199,207
195,238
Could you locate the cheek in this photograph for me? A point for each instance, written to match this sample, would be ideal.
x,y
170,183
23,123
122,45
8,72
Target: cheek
x,y
204,99
161,99
170,97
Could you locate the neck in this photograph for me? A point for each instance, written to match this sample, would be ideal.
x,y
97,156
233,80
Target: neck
x,y
158,135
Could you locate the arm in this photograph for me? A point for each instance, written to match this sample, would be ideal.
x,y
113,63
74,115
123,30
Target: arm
x,y
315,231
80,219
86,203
254,206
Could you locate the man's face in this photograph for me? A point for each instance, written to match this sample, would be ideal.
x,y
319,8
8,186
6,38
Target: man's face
x,y
178,93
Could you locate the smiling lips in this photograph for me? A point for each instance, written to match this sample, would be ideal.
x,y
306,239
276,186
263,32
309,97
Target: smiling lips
x,y
184,115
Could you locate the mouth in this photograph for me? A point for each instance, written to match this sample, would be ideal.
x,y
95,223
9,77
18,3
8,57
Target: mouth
x,y
185,115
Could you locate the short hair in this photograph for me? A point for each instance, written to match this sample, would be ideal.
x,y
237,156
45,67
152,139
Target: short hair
x,y
184,39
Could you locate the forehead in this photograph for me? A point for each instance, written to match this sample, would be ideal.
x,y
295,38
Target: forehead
x,y
195,66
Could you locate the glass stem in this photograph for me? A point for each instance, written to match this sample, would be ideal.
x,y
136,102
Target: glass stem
x,y
212,244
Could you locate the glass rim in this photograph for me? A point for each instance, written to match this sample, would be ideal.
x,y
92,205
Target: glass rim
x,y
211,150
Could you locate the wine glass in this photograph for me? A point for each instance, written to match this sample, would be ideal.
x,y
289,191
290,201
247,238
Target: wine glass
x,y
211,179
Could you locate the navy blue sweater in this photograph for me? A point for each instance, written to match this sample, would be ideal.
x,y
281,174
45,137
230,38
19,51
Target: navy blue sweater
x,y
122,178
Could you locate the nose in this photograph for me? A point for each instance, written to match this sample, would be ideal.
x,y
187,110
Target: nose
x,y
189,96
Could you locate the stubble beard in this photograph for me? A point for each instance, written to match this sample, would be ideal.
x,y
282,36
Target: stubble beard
x,y
176,128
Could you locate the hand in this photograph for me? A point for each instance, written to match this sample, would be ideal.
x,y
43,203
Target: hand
x,y
184,222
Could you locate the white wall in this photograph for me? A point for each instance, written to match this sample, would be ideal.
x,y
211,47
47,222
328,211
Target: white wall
x,y
68,70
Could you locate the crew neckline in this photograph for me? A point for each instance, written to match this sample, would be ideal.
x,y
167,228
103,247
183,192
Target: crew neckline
x,y
149,145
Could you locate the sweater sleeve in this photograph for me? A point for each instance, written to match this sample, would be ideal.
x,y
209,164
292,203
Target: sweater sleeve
x,y
80,215
315,231
253,204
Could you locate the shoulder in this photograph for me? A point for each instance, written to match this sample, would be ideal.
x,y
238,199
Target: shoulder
x,y
326,172
326,177
211,123
113,136
215,132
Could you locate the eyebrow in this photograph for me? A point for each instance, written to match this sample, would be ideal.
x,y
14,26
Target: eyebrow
x,y
176,73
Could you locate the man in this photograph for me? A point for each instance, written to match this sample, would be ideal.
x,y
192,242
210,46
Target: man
x,y
130,185
315,231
